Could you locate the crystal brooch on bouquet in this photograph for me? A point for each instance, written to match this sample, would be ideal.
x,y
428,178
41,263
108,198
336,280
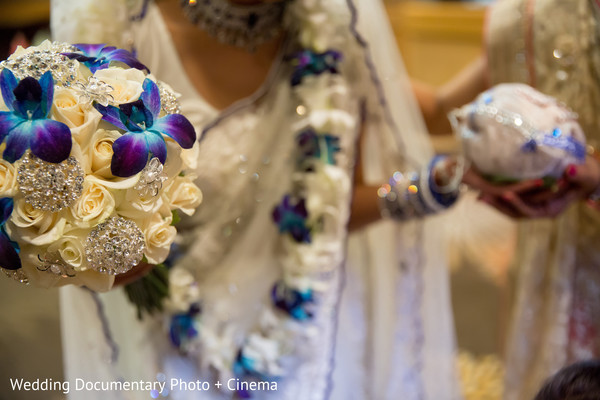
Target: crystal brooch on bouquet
x,y
35,64
94,90
17,275
115,246
53,263
49,186
168,100
151,179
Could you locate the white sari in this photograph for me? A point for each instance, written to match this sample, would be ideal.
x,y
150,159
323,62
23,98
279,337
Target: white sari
x,y
388,330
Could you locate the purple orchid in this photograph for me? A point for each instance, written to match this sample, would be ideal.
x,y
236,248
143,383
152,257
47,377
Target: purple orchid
x,y
145,131
26,125
294,302
314,145
99,56
291,218
245,369
9,250
184,327
307,62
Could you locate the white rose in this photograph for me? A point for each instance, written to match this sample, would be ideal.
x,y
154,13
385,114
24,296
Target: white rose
x,y
8,179
138,208
159,235
174,163
71,248
100,152
184,195
126,83
95,204
190,157
34,226
30,263
89,278
81,118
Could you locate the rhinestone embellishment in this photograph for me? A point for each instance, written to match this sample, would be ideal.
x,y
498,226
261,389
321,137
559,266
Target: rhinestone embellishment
x,y
48,186
17,275
115,246
53,263
35,64
168,100
94,90
151,179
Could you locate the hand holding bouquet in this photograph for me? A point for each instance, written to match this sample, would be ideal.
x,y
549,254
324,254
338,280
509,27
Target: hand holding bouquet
x,y
93,167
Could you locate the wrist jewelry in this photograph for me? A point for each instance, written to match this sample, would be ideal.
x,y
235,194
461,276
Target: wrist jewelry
x,y
415,195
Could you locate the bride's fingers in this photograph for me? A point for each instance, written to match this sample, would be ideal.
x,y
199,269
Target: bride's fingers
x,y
476,181
555,192
550,209
524,186
500,205
523,208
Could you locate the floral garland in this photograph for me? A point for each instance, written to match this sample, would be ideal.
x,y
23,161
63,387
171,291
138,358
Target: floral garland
x,y
311,218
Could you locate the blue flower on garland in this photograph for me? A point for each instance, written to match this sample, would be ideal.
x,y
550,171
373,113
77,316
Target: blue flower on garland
x,y
144,131
9,250
244,367
26,124
184,327
291,217
99,56
307,62
294,302
316,145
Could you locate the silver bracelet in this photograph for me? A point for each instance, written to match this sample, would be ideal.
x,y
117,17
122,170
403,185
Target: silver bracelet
x,y
415,195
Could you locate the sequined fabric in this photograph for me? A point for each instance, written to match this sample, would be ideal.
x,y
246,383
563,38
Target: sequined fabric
x,y
552,45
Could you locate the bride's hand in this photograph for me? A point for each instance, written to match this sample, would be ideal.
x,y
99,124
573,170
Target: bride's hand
x,y
530,199
133,274
497,195
474,180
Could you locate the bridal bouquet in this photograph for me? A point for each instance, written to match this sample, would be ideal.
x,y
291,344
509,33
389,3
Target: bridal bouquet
x,y
512,132
94,155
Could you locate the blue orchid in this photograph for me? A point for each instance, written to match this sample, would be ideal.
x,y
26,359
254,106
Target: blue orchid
x,y
145,131
308,63
99,56
184,327
291,217
296,303
9,250
244,368
26,125
316,145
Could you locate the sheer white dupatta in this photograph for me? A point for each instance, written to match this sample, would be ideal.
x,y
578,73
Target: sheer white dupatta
x,y
407,307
